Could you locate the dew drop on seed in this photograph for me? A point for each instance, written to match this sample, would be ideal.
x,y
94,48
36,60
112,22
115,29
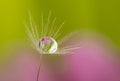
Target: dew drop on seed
x,y
47,45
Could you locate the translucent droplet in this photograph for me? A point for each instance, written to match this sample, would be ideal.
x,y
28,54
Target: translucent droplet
x,y
47,45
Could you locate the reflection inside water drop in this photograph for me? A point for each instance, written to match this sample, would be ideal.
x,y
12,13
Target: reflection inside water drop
x,y
47,45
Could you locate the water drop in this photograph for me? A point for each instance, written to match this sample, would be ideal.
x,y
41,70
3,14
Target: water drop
x,y
47,45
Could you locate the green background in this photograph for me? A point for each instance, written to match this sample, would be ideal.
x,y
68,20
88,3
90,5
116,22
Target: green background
x,y
99,15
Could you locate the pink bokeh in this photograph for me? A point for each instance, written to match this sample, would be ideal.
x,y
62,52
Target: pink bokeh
x,y
95,61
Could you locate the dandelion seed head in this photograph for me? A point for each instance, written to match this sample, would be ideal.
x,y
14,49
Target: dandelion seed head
x,y
45,41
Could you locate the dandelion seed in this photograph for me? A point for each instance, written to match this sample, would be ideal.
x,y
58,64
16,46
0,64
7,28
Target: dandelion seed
x,y
46,43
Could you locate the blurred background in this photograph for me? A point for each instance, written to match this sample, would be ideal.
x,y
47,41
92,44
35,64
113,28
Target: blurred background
x,y
102,16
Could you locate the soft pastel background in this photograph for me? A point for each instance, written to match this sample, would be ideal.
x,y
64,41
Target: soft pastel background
x,y
101,16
